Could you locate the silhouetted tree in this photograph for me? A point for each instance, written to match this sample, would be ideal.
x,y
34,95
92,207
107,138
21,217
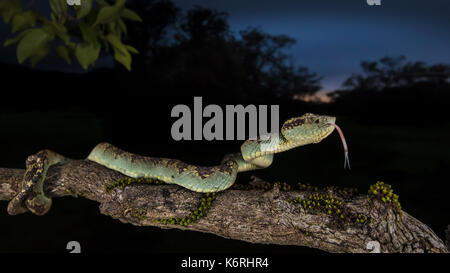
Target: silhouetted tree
x,y
199,56
395,91
392,72
159,16
269,69
201,25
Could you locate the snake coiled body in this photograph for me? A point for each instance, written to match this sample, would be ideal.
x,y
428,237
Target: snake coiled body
x,y
254,154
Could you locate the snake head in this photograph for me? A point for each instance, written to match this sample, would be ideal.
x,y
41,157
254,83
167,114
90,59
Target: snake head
x,y
309,128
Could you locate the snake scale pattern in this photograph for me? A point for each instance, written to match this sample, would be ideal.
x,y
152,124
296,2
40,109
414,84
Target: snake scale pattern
x,y
255,154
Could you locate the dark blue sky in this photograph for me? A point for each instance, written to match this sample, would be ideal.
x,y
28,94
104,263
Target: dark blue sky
x,y
333,36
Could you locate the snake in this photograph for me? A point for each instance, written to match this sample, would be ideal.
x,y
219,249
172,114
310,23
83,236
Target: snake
x,y
254,154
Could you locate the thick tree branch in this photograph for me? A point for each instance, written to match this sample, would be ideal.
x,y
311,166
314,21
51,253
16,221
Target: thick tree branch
x,y
255,215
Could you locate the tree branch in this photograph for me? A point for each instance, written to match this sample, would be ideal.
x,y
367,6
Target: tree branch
x,y
252,215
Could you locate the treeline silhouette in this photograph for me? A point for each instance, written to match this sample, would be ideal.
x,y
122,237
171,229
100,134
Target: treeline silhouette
x,y
393,90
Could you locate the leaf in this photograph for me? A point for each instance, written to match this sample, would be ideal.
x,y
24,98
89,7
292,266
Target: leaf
x,y
71,46
8,4
106,15
131,15
58,7
115,41
122,26
88,33
16,39
123,58
40,54
50,29
9,8
84,9
121,53
23,20
53,17
103,3
31,43
61,32
132,49
63,52
111,27
91,17
87,54
110,13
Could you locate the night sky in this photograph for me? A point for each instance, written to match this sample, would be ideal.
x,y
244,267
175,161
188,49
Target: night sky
x,y
333,37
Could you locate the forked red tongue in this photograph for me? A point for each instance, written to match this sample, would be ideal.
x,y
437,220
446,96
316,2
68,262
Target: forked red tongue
x,y
344,143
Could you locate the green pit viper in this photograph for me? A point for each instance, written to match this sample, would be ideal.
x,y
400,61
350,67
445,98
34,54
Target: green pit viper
x,y
255,154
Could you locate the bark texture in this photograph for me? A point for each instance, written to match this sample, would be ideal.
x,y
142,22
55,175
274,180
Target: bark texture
x,y
252,215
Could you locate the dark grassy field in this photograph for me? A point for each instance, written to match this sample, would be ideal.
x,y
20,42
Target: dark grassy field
x,y
414,160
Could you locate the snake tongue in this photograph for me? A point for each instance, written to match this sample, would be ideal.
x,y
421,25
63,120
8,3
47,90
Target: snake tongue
x,y
344,143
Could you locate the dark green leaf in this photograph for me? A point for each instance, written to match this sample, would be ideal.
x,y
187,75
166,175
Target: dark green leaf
x,y
91,17
89,34
16,39
50,29
122,26
32,43
64,53
103,3
23,20
111,27
61,32
123,58
59,7
40,54
110,13
53,17
9,8
132,49
87,54
84,9
130,15
121,53
115,41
